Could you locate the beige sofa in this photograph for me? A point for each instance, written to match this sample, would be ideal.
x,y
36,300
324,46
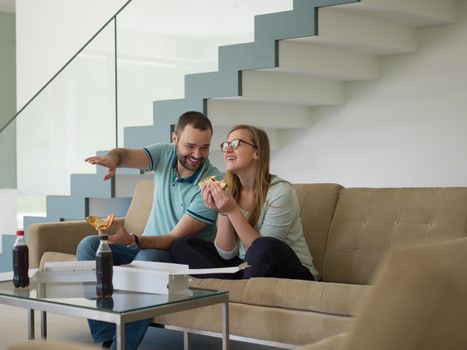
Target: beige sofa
x,y
348,231
420,312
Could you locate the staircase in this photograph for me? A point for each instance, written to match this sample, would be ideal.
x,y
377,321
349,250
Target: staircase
x,y
301,62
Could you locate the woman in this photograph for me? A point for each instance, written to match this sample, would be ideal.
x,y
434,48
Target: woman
x,y
259,217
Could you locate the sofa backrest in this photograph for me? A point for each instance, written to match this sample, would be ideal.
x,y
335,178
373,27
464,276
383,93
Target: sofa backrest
x,y
368,222
317,204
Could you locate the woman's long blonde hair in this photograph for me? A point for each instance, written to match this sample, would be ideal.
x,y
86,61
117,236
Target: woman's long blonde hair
x,y
262,177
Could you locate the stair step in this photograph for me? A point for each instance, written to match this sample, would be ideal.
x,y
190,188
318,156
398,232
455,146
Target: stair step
x,y
287,88
325,62
166,113
105,206
230,112
91,185
29,220
140,136
125,184
253,55
299,22
60,207
416,13
337,28
214,84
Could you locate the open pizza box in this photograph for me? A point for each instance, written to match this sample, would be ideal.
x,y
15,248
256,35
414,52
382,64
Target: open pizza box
x,y
139,276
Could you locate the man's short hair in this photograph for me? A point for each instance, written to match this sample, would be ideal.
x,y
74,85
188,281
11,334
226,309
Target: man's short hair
x,y
196,119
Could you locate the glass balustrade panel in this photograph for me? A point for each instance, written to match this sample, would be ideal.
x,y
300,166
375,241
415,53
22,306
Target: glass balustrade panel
x,y
69,120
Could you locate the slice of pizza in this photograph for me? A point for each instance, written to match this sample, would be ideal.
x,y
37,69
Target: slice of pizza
x,y
211,179
98,223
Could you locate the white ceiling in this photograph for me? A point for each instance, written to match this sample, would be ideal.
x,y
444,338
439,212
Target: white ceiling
x,y
7,6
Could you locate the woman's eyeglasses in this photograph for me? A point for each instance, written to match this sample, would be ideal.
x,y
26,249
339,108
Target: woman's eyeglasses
x,y
234,144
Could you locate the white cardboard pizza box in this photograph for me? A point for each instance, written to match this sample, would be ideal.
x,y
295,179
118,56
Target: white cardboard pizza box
x,y
139,276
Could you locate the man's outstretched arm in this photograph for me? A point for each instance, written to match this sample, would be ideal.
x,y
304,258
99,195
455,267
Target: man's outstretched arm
x,y
120,158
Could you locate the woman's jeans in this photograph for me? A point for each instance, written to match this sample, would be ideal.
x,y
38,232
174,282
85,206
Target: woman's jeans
x,y
134,331
266,257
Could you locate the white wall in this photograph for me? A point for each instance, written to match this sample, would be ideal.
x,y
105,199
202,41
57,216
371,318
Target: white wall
x,y
7,100
8,224
8,136
407,129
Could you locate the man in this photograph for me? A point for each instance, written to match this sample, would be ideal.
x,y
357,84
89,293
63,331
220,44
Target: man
x,y
178,209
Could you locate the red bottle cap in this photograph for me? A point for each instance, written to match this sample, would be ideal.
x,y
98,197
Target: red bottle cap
x,y
20,233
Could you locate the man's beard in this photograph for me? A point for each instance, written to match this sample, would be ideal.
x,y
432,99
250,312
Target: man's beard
x,y
183,161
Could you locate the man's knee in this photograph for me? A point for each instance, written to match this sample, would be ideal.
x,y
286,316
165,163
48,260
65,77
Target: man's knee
x,y
158,255
87,248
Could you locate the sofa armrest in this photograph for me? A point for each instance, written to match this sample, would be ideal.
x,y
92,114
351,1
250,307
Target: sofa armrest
x,y
61,237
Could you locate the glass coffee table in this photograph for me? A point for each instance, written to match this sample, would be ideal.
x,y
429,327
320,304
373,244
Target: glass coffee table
x,y
79,299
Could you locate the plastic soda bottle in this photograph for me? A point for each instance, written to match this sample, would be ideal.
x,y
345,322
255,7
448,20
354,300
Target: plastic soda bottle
x,y
20,261
104,268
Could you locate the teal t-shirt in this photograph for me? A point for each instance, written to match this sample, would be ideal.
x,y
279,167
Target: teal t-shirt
x,y
174,196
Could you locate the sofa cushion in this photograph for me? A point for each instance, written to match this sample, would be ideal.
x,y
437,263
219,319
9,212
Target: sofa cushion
x,y
236,288
267,323
140,207
368,222
317,204
330,298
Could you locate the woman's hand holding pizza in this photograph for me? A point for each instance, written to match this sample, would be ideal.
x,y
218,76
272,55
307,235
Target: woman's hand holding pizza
x,y
215,196
223,200
207,197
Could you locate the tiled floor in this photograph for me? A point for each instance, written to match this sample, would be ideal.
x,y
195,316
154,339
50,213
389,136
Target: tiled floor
x,y
13,328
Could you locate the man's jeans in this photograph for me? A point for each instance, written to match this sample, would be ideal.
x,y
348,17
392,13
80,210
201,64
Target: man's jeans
x,y
134,331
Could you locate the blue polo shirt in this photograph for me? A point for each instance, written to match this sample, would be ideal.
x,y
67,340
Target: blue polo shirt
x,y
174,196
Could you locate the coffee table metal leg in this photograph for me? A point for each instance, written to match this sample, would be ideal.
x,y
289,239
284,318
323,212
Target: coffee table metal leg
x,y
31,324
186,340
225,326
43,325
120,332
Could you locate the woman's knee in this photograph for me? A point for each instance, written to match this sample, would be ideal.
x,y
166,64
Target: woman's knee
x,y
266,246
87,248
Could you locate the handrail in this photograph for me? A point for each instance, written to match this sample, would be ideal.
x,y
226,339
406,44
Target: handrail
x,y
64,66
